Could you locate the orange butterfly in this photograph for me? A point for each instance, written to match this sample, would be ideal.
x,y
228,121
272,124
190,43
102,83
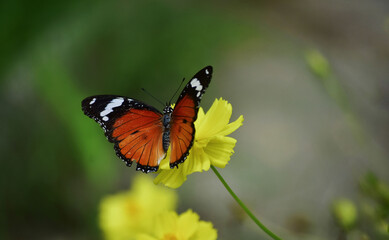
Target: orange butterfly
x,y
143,134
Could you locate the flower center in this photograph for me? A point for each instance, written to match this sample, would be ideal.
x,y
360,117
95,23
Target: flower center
x,y
132,208
169,236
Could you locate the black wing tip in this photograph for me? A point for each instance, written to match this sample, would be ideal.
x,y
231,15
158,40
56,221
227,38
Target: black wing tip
x,y
208,70
85,104
209,67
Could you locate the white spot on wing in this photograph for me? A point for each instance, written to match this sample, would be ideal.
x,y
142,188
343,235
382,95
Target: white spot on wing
x,y
109,108
105,118
195,83
93,101
206,71
198,94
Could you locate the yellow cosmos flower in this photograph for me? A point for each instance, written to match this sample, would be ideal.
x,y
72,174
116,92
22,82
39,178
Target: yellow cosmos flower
x,y
124,215
187,226
211,145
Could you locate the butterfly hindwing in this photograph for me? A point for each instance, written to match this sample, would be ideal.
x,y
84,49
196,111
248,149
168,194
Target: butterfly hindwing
x,y
185,114
133,126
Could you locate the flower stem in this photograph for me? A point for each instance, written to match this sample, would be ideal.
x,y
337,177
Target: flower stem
x,y
270,233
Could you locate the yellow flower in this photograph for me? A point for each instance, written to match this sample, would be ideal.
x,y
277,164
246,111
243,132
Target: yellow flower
x,y
187,226
124,215
211,146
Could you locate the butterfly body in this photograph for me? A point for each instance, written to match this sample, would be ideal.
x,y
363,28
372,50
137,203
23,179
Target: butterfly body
x,y
143,134
167,117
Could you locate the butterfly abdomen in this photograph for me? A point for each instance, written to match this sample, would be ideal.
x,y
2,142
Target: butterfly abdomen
x,y
166,140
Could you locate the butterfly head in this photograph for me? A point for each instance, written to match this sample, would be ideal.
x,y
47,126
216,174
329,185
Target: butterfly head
x,y
167,109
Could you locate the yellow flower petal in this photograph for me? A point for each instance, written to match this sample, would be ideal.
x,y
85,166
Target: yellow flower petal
x,y
231,127
187,224
197,162
219,150
172,178
200,114
166,224
146,192
215,120
205,231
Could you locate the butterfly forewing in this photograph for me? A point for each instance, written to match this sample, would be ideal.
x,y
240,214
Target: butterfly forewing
x,y
185,114
133,126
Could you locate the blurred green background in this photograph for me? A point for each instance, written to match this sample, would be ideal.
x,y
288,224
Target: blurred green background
x,y
310,77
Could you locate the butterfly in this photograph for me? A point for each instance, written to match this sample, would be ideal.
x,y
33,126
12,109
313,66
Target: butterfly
x,y
143,134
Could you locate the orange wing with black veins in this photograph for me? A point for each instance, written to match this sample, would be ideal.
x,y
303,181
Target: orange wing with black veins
x,y
134,127
182,130
138,137
184,115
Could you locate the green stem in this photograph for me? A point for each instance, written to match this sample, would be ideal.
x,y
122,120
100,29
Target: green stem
x,y
270,233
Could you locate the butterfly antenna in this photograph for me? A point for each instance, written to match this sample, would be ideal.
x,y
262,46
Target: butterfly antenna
x,y
176,91
144,90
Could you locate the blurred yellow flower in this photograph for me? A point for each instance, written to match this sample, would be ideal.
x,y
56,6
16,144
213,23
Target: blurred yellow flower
x,y
124,215
187,226
211,146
